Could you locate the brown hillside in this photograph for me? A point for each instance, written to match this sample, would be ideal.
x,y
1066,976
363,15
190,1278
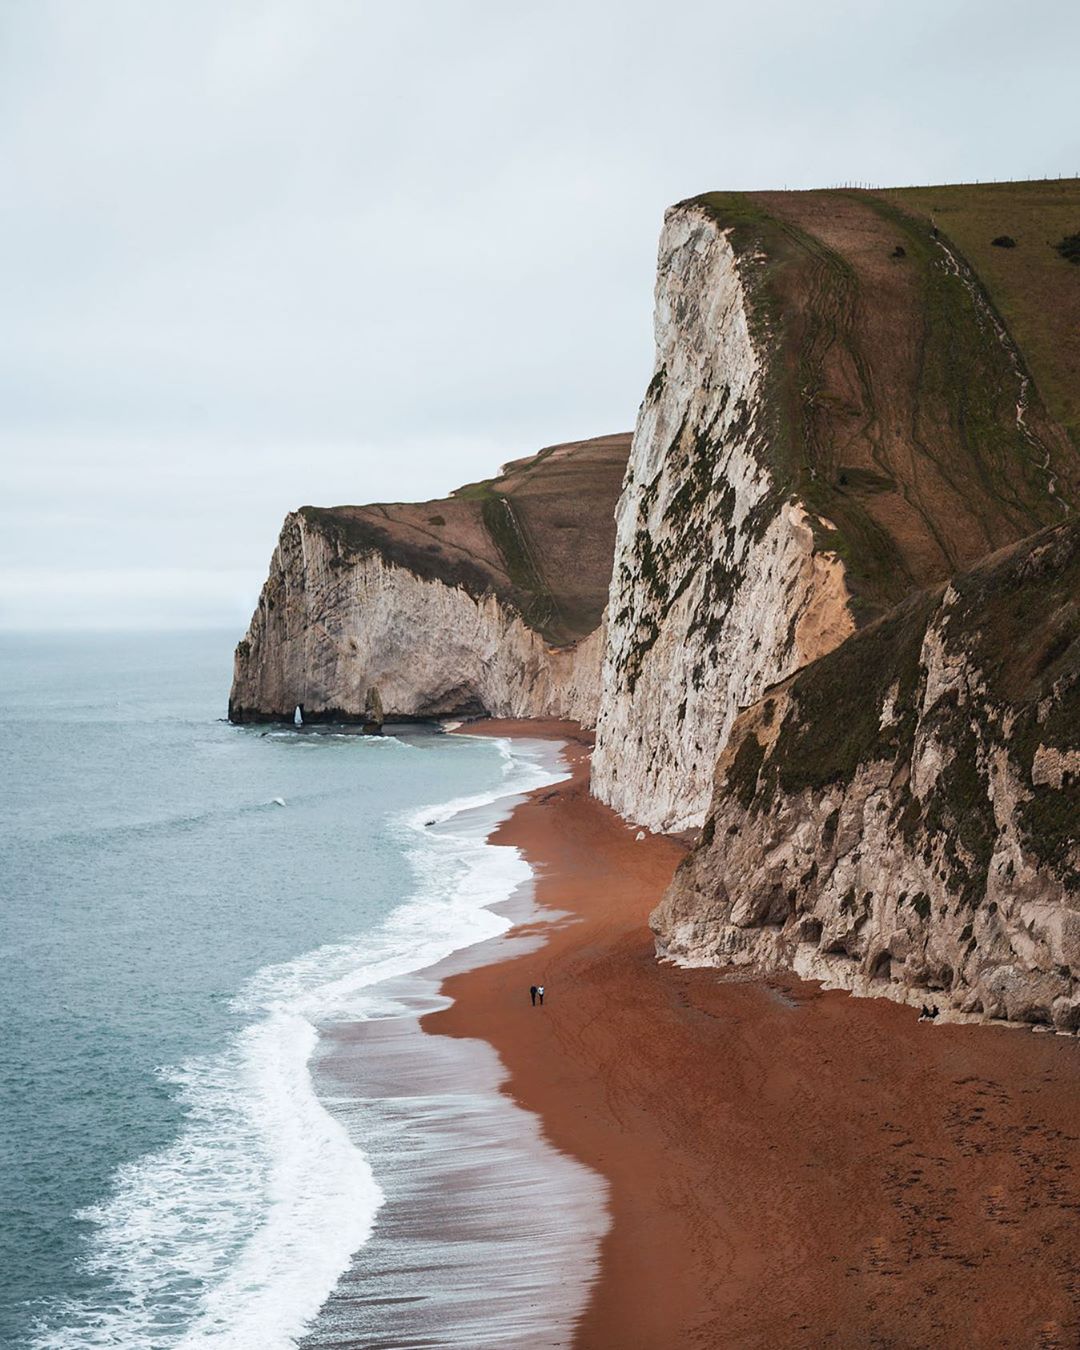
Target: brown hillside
x,y
1035,289
904,411
541,535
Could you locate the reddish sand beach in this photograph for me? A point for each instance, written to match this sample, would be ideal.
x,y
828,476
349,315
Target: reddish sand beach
x,y
787,1167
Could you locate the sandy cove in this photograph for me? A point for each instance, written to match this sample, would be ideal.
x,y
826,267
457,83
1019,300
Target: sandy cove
x,y
787,1167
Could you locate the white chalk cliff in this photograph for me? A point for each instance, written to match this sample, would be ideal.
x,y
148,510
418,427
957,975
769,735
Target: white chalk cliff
x,y
364,639
718,589
488,602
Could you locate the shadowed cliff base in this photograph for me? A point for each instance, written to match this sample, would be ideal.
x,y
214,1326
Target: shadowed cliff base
x,y
787,1167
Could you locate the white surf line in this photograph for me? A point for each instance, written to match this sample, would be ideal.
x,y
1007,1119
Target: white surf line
x,y
490,1236
234,1234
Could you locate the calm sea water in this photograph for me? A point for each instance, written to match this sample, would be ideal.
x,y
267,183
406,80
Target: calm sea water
x,y
172,942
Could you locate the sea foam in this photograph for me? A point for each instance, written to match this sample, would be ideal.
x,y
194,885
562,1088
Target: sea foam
x,y
236,1233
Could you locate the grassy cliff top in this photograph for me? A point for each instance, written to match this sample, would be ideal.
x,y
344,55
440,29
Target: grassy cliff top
x,y
925,380
1034,288
541,536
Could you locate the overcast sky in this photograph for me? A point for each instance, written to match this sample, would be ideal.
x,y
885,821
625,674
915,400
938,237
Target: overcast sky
x,y
260,254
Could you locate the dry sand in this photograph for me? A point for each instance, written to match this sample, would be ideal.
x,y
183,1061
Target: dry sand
x,y
787,1167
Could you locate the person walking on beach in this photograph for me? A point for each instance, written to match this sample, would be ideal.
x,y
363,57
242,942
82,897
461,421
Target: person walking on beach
x,y
532,994
540,994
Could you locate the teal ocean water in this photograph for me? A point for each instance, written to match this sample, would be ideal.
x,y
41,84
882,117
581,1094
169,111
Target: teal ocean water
x,y
178,951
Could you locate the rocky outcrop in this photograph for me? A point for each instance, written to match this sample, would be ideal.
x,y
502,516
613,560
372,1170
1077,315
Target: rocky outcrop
x,y
488,602
902,817
834,421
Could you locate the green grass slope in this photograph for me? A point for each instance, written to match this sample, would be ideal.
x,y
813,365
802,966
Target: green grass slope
x,y
1034,288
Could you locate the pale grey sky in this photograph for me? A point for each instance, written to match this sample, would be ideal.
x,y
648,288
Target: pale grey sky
x,y
256,254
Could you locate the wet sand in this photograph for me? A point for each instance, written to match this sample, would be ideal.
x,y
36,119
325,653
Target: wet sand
x,y
787,1167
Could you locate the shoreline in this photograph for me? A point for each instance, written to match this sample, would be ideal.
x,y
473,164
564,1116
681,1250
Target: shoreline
x,y
455,1158
785,1165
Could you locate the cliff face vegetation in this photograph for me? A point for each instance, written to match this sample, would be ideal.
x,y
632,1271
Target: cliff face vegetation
x,y
838,416
489,601
901,816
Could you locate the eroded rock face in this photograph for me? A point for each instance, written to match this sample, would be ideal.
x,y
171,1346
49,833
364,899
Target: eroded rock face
x,y
837,418
902,818
487,602
363,639
718,589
